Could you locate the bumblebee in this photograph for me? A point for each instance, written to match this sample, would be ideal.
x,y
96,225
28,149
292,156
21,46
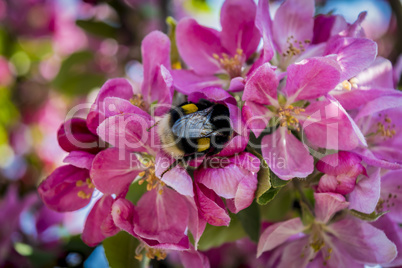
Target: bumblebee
x,y
194,129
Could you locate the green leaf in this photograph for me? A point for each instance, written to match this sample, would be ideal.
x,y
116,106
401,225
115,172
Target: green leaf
x,y
120,251
268,196
76,77
215,236
264,181
251,221
279,207
367,217
135,192
97,28
276,182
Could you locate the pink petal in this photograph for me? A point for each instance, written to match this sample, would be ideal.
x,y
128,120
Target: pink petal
x,y
162,216
366,194
297,255
197,44
293,18
394,233
155,51
327,125
373,160
162,91
244,194
264,24
261,86
341,184
74,135
236,84
286,156
93,233
311,78
113,170
211,206
196,223
327,204
118,106
117,87
257,117
379,74
123,215
236,145
338,163
364,242
60,191
353,54
79,159
129,131
278,233
194,259
178,179
326,26
187,81
238,29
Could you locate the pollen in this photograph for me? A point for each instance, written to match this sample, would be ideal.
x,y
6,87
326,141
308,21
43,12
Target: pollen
x,y
138,100
148,175
348,85
84,195
89,183
150,253
385,128
232,65
79,183
287,117
295,47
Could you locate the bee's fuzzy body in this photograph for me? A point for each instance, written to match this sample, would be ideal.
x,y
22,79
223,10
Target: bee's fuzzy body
x,y
194,129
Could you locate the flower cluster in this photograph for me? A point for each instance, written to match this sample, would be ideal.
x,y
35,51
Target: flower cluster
x,y
314,112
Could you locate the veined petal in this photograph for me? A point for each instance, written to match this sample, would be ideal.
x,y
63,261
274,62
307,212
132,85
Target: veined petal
x,y
261,87
162,216
238,28
155,50
363,242
113,170
311,78
197,44
117,87
293,19
327,125
366,194
339,163
123,215
79,159
196,223
326,26
95,226
244,194
286,156
257,117
278,233
194,259
353,54
130,132
180,180
327,204
117,106
66,189
188,81
264,24
296,254
211,206
379,75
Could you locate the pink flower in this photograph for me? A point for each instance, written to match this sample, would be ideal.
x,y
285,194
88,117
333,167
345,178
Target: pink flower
x,y
209,52
347,242
294,107
341,171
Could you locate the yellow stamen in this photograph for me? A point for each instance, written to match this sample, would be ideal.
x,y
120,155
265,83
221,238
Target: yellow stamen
x,y
137,100
232,65
79,183
83,195
89,183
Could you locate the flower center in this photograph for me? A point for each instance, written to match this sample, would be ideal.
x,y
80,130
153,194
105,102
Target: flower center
x,y
87,183
286,117
295,47
386,129
150,253
232,65
386,203
137,100
148,175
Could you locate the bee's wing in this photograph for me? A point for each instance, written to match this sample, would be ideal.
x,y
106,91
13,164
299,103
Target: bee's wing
x,y
194,125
